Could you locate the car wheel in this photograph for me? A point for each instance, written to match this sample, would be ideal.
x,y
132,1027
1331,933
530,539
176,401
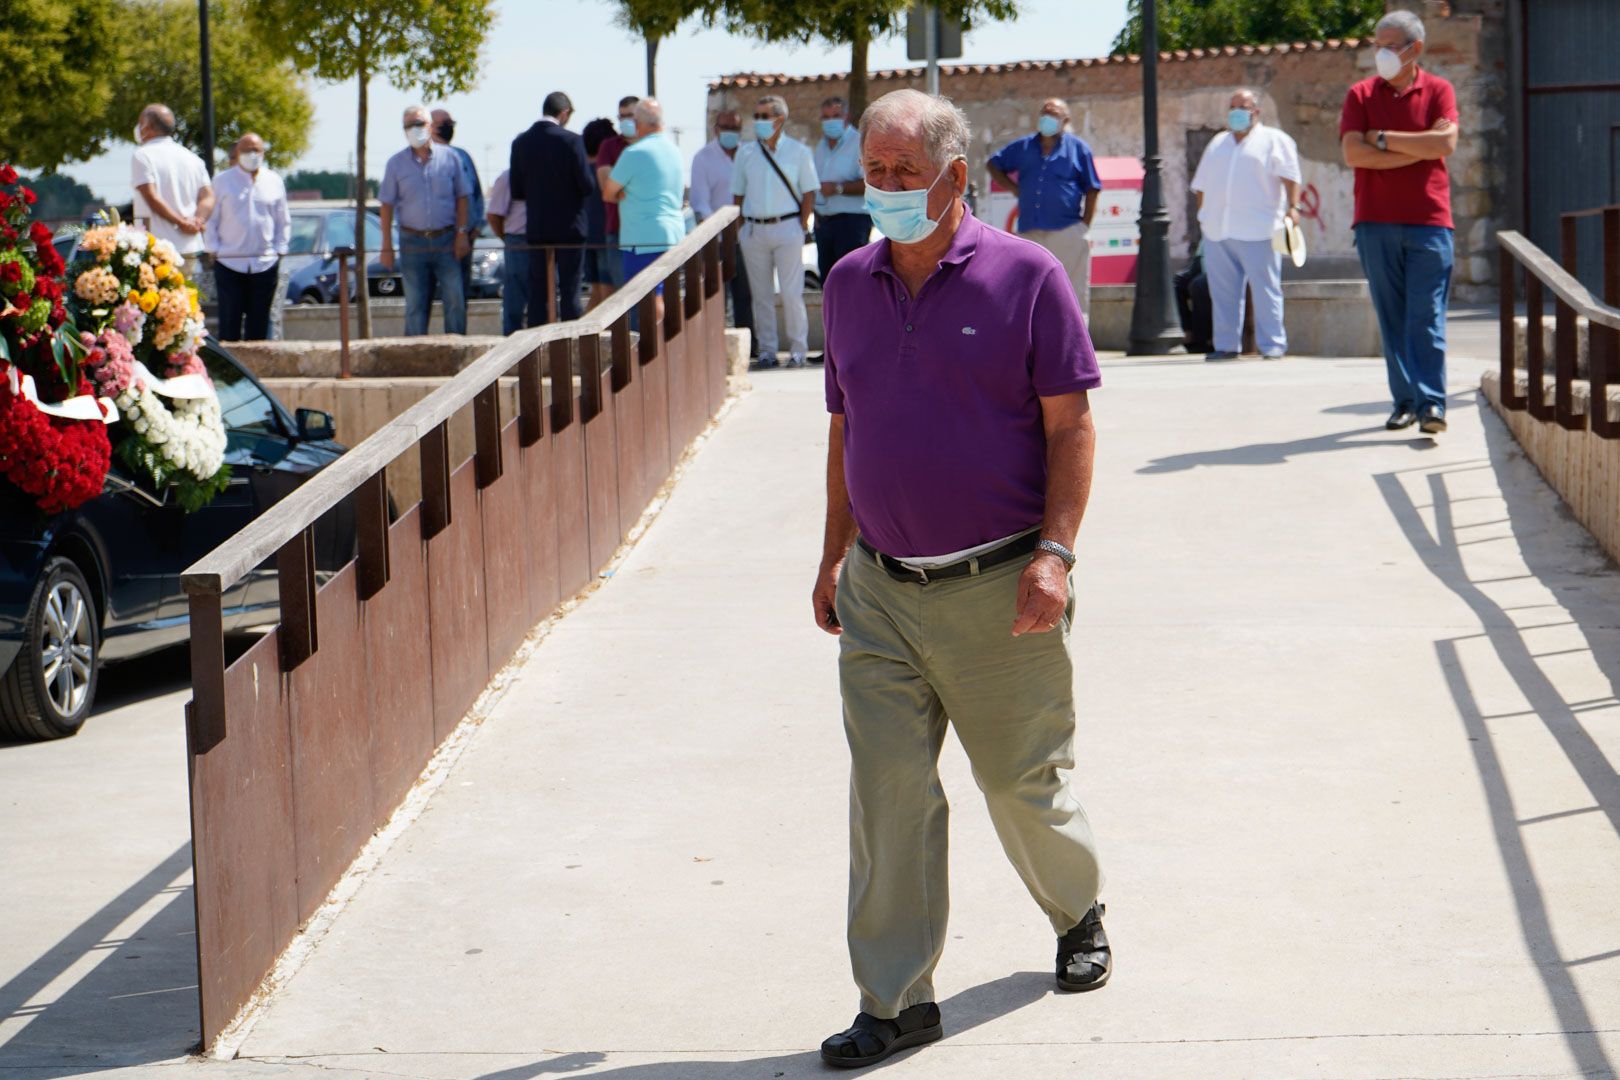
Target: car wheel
x,y
52,683
310,296
386,286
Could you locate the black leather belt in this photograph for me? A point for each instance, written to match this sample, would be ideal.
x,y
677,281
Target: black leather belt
x,y
770,220
427,234
898,570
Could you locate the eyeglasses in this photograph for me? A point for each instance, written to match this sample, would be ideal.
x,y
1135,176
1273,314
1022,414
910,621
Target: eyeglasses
x,y
416,124
764,116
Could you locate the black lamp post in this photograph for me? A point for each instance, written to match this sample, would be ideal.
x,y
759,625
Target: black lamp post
x,y
1155,325
207,72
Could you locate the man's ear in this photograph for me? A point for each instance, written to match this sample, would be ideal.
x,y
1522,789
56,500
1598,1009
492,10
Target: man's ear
x,y
959,175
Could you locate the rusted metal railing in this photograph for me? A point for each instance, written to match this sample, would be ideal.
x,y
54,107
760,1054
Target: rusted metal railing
x,y
305,744
1572,302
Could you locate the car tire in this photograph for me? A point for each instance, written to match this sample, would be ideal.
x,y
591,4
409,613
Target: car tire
x,y
51,686
310,296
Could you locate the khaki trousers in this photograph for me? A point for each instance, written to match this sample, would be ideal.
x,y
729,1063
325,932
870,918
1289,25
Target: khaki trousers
x,y
912,658
1072,246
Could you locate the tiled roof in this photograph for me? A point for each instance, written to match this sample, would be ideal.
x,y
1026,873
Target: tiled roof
x,y
752,79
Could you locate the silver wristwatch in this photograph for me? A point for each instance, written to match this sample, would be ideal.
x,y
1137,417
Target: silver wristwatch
x,y
1059,550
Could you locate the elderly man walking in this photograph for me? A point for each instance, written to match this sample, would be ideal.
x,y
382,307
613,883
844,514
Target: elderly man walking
x,y
247,234
550,173
775,184
711,189
842,223
1247,184
1057,188
646,184
425,187
1396,131
959,462
173,195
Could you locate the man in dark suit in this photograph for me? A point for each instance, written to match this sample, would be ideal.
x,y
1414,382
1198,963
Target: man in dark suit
x,y
552,175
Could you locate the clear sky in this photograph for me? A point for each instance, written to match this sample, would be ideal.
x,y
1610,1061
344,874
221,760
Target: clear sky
x,y
573,45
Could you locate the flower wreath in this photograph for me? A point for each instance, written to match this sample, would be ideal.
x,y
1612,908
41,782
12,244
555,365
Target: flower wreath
x,y
59,463
179,444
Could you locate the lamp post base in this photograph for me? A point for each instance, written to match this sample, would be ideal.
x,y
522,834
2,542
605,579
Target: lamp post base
x,y
1168,342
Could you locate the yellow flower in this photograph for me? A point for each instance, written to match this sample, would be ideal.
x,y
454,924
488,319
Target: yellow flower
x,y
148,300
151,241
162,271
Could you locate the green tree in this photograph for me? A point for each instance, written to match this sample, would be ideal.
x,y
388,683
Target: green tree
x,y
54,54
61,198
856,23
428,45
254,88
653,21
331,185
1206,24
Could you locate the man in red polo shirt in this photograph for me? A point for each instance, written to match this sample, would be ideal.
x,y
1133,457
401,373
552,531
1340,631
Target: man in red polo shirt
x,y
1397,130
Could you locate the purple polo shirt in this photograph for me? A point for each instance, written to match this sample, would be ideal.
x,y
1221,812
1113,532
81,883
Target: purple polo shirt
x,y
943,443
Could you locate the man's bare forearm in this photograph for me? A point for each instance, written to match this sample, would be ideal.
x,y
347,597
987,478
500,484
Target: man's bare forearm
x,y
1070,452
840,532
1422,145
1362,155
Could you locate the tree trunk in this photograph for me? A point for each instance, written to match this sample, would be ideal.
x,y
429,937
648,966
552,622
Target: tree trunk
x,y
857,75
652,65
362,279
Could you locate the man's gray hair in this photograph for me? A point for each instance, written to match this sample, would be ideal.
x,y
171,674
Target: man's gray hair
x,y
777,102
649,115
159,117
834,100
1410,26
943,127
423,109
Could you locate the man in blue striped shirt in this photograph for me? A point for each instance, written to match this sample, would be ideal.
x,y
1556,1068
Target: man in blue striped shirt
x,y
1057,187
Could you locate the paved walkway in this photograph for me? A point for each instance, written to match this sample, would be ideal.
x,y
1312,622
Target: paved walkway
x,y
1349,737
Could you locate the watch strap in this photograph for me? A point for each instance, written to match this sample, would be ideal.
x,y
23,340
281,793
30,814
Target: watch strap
x,y
1059,550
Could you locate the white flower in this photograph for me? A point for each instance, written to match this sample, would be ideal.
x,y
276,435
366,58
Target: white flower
x,y
141,427
132,260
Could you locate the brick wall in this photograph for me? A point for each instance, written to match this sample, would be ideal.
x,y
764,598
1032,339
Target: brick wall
x,y
1301,89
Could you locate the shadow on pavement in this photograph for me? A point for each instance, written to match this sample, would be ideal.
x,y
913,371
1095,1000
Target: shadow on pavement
x,y
1547,559
137,1005
962,1012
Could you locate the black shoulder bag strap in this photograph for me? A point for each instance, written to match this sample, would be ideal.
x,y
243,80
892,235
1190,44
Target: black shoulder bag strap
x,y
783,176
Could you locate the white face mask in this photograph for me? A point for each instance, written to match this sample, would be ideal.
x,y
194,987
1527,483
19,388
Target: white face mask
x,y
417,137
251,160
1389,63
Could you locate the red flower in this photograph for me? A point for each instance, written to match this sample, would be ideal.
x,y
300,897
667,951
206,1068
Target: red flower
x,y
8,175
28,196
60,463
5,201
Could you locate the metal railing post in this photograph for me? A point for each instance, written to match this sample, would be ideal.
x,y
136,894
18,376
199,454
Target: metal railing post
x,y
1507,365
343,254
1565,346
1604,370
551,284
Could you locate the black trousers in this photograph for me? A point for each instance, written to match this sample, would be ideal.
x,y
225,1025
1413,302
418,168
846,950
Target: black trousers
x,y
837,235
1192,301
244,302
570,276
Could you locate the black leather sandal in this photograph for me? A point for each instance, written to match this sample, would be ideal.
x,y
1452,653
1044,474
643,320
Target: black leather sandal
x,y
870,1040
1084,960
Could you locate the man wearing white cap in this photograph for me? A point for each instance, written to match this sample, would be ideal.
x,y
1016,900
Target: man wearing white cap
x,y
1248,185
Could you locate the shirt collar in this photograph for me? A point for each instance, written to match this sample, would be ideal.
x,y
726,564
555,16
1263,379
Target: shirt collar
x,y
1418,79
963,245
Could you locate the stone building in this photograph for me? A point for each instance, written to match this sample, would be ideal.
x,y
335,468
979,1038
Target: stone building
x,y
1301,88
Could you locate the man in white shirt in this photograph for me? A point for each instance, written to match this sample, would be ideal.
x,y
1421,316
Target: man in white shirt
x,y
509,220
1242,181
775,184
247,235
842,223
711,189
172,194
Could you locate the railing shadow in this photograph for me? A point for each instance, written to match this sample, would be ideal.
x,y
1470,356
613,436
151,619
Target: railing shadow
x,y
137,1005
1593,614
962,1012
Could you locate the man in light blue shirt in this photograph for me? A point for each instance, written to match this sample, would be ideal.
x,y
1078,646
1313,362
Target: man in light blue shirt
x,y
444,129
1057,188
775,184
842,223
426,187
646,183
247,235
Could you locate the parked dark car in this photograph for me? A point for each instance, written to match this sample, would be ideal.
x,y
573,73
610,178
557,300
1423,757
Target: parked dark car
x,y
488,265
312,269
102,583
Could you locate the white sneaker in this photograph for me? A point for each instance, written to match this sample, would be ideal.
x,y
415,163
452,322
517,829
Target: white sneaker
x,y
795,361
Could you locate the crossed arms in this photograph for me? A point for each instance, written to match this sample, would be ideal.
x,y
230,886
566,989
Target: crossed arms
x,y
1405,147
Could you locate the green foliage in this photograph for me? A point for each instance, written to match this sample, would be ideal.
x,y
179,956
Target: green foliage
x,y
192,494
61,198
59,79
656,19
843,22
1204,24
429,45
331,185
84,69
254,90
